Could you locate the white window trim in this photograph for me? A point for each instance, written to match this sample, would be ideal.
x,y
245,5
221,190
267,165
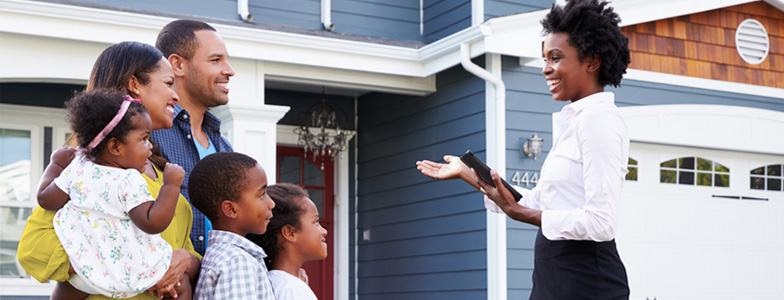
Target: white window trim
x,y
712,172
33,119
36,150
764,177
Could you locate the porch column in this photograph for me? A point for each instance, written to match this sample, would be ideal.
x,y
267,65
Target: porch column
x,y
251,129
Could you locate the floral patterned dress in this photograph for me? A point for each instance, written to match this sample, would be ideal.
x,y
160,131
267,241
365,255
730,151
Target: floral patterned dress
x,y
105,248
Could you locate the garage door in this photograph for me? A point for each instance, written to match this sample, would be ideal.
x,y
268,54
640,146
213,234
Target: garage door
x,y
699,223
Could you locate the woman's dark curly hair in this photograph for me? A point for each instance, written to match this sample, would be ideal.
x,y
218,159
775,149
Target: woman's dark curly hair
x,y
288,209
89,112
592,27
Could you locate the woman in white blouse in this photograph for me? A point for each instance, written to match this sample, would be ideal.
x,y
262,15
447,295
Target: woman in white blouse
x,y
576,202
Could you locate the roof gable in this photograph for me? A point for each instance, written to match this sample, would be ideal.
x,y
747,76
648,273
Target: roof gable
x,y
703,45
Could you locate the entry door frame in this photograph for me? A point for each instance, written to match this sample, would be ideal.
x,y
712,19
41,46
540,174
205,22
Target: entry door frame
x,y
342,232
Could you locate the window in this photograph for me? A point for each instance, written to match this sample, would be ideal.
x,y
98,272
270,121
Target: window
x,y
15,201
632,166
694,171
28,135
767,178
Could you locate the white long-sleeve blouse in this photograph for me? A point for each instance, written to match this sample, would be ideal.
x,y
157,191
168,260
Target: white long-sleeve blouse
x,y
580,184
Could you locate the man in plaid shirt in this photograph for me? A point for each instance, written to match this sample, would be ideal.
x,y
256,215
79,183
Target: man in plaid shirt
x,y
231,190
202,71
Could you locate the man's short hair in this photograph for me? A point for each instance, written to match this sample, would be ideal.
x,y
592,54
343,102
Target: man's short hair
x,y
178,37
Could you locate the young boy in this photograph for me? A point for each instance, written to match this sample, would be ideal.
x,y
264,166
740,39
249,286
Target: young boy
x,y
231,190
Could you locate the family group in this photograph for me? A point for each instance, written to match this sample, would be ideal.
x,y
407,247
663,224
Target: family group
x,y
150,186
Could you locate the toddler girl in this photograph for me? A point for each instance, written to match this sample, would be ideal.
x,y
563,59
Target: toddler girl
x,y
107,221
294,237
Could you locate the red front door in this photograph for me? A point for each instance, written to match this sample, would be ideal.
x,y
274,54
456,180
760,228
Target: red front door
x,y
316,175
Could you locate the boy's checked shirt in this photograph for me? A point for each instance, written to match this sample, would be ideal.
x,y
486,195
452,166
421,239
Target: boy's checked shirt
x,y
233,268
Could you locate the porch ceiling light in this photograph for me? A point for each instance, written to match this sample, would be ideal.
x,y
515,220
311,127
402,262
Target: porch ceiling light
x,y
533,146
322,129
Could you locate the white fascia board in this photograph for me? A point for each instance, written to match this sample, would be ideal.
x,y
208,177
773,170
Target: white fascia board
x,y
776,3
702,83
517,35
452,43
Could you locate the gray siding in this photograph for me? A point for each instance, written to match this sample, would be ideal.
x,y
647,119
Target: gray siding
x,y
444,17
295,13
388,19
219,9
497,8
428,238
529,109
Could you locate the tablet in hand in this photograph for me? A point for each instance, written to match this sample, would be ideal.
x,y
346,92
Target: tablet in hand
x,y
470,160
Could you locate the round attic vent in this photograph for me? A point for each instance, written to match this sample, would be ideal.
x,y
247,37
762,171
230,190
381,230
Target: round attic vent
x,y
751,40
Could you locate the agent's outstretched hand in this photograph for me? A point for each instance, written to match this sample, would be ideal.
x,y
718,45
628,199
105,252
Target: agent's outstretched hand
x,y
454,169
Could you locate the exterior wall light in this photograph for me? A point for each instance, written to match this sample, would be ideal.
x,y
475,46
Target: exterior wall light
x,y
533,146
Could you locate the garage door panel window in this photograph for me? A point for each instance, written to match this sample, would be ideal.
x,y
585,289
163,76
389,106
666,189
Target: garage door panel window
x,y
632,167
694,171
767,178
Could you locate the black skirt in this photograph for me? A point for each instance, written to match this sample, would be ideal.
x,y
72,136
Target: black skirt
x,y
572,270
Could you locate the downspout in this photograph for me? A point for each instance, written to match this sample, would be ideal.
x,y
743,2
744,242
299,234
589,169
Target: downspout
x,y
498,84
326,15
242,9
495,123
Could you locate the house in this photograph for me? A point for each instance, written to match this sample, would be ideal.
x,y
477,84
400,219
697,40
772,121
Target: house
x,y
703,98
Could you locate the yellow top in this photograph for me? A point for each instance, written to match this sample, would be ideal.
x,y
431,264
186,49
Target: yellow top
x,y
42,255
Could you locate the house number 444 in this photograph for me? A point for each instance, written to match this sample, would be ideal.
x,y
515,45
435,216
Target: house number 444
x,y
526,179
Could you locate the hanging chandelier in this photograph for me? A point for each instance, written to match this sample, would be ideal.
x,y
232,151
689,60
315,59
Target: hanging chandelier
x,y
322,129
